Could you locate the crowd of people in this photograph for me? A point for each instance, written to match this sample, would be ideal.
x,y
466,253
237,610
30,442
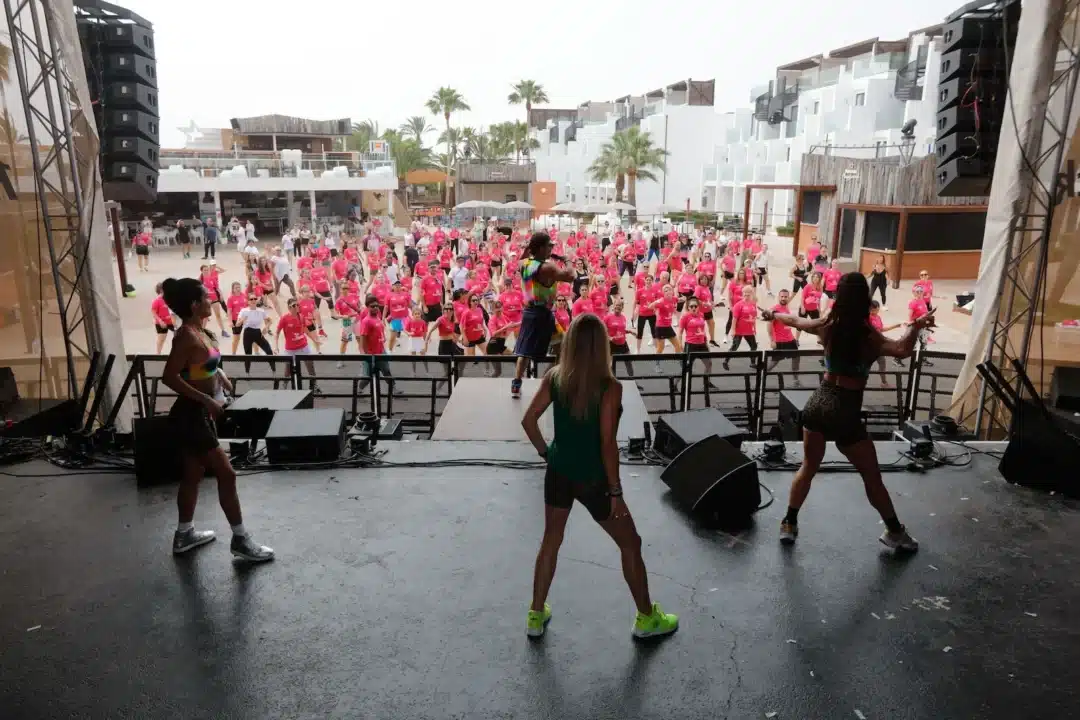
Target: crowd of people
x,y
461,291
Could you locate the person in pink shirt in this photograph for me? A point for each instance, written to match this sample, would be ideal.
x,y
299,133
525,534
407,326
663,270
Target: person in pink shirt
x,y
209,276
644,312
745,313
684,286
734,293
782,337
415,332
692,327
810,300
728,265
615,322
397,307
665,308
813,250
878,324
371,334
473,326
163,318
927,286
431,293
348,309
582,306
500,326
513,303
236,302
141,243
831,279
704,293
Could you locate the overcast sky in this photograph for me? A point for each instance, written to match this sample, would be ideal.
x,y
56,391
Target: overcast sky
x,y
324,59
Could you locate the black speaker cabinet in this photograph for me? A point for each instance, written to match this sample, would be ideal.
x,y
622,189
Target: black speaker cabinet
x,y
712,478
157,454
125,94
962,177
131,66
1065,389
133,122
134,148
678,431
130,181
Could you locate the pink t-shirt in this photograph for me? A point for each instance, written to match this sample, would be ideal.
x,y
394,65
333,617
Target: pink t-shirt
x,y
781,332
916,309
876,323
811,298
162,313
665,311
374,332
693,327
831,278
616,327
745,318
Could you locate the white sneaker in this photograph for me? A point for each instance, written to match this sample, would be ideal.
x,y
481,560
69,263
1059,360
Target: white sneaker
x,y
901,541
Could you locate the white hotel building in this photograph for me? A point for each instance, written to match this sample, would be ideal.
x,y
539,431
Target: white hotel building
x,y
851,101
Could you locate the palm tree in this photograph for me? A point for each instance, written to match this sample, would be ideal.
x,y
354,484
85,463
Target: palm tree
x,y
607,167
416,127
452,140
446,101
634,156
530,93
362,135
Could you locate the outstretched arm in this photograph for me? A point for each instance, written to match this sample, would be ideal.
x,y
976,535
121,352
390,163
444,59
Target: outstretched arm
x,y
799,323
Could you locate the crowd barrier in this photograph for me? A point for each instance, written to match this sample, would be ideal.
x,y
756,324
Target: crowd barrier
x,y
745,386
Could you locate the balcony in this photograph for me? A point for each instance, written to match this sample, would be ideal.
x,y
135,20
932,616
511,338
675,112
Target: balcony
x,y
628,121
909,78
553,133
272,165
503,172
571,131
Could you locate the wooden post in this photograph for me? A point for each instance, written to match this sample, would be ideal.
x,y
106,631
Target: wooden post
x,y
834,241
746,215
118,248
765,218
901,241
798,221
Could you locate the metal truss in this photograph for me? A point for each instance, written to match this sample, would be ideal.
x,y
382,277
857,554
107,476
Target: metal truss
x,y
1024,278
52,109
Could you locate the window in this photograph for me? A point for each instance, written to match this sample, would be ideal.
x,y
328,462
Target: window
x,y
817,106
860,99
510,197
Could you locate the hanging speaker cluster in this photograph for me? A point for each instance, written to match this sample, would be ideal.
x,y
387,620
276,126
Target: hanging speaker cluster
x,y
977,48
121,70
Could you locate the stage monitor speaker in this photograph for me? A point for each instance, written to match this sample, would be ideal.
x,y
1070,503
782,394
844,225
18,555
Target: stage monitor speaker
x,y
792,403
711,478
297,437
677,431
251,414
964,177
129,182
1044,452
1065,389
157,454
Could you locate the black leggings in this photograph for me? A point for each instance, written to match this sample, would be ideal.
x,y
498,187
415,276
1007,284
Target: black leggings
x,y
252,337
878,286
751,340
209,249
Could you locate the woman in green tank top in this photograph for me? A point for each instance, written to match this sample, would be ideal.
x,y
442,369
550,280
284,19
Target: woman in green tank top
x,y
583,465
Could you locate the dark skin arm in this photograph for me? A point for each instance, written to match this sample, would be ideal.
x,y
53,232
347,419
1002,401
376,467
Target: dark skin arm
x,y
549,274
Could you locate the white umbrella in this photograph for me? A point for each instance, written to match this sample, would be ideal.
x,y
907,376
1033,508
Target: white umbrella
x,y
469,205
596,209
622,207
567,207
518,205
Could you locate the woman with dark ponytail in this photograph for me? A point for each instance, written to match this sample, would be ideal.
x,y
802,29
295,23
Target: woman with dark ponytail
x,y
540,277
834,411
194,372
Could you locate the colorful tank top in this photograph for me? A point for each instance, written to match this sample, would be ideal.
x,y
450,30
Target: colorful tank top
x,y
536,293
208,368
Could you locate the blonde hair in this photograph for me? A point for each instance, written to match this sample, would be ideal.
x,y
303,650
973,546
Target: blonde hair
x,y
584,367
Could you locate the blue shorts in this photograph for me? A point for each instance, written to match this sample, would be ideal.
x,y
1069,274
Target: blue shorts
x,y
397,325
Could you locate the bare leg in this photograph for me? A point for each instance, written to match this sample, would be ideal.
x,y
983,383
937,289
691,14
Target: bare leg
x,y
864,457
218,463
813,452
519,368
187,496
625,535
554,527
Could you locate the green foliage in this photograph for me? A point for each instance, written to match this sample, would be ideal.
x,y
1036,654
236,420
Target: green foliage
x,y
786,230
630,154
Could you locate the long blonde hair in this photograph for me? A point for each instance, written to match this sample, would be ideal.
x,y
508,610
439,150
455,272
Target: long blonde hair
x,y
584,367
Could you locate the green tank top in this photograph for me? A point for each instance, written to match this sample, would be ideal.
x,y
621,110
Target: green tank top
x,y
574,452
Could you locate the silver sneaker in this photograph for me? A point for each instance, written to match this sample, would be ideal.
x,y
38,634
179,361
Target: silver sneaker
x,y
245,548
899,541
190,539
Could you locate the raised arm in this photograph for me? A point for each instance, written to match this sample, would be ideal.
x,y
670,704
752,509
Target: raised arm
x,y
799,323
905,346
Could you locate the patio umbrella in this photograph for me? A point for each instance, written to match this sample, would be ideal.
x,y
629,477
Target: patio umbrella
x,y
622,207
469,205
566,207
518,205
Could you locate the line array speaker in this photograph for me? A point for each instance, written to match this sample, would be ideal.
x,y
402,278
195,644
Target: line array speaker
x,y
976,48
121,71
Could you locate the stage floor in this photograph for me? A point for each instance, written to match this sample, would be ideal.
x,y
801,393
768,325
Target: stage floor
x,y
482,409
400,593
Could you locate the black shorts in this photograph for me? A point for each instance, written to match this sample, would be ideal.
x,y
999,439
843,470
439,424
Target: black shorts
x,y
311,327
836,413
812,314
788,345
664,333
142,250
708,315
729,275
536,331
193,427
620,349
831,294
496,263
433,313
761,272
695,348
497,346
166,329
237,329
644,320
447,346
473,343
561,492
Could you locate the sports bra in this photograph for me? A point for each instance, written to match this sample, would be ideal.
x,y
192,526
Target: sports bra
x,y
208,368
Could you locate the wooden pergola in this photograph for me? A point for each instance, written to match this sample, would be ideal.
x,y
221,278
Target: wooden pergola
x,y
904,211
799,191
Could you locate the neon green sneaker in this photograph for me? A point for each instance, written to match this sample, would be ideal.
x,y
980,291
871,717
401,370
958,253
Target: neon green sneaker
x,y
655,624
537,622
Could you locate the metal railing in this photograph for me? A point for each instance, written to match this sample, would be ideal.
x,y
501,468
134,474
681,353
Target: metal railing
x,y
907,85
271,164
744,386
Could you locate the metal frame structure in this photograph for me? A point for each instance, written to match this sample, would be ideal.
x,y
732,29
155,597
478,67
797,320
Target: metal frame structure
x,y
51,109
1023,283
